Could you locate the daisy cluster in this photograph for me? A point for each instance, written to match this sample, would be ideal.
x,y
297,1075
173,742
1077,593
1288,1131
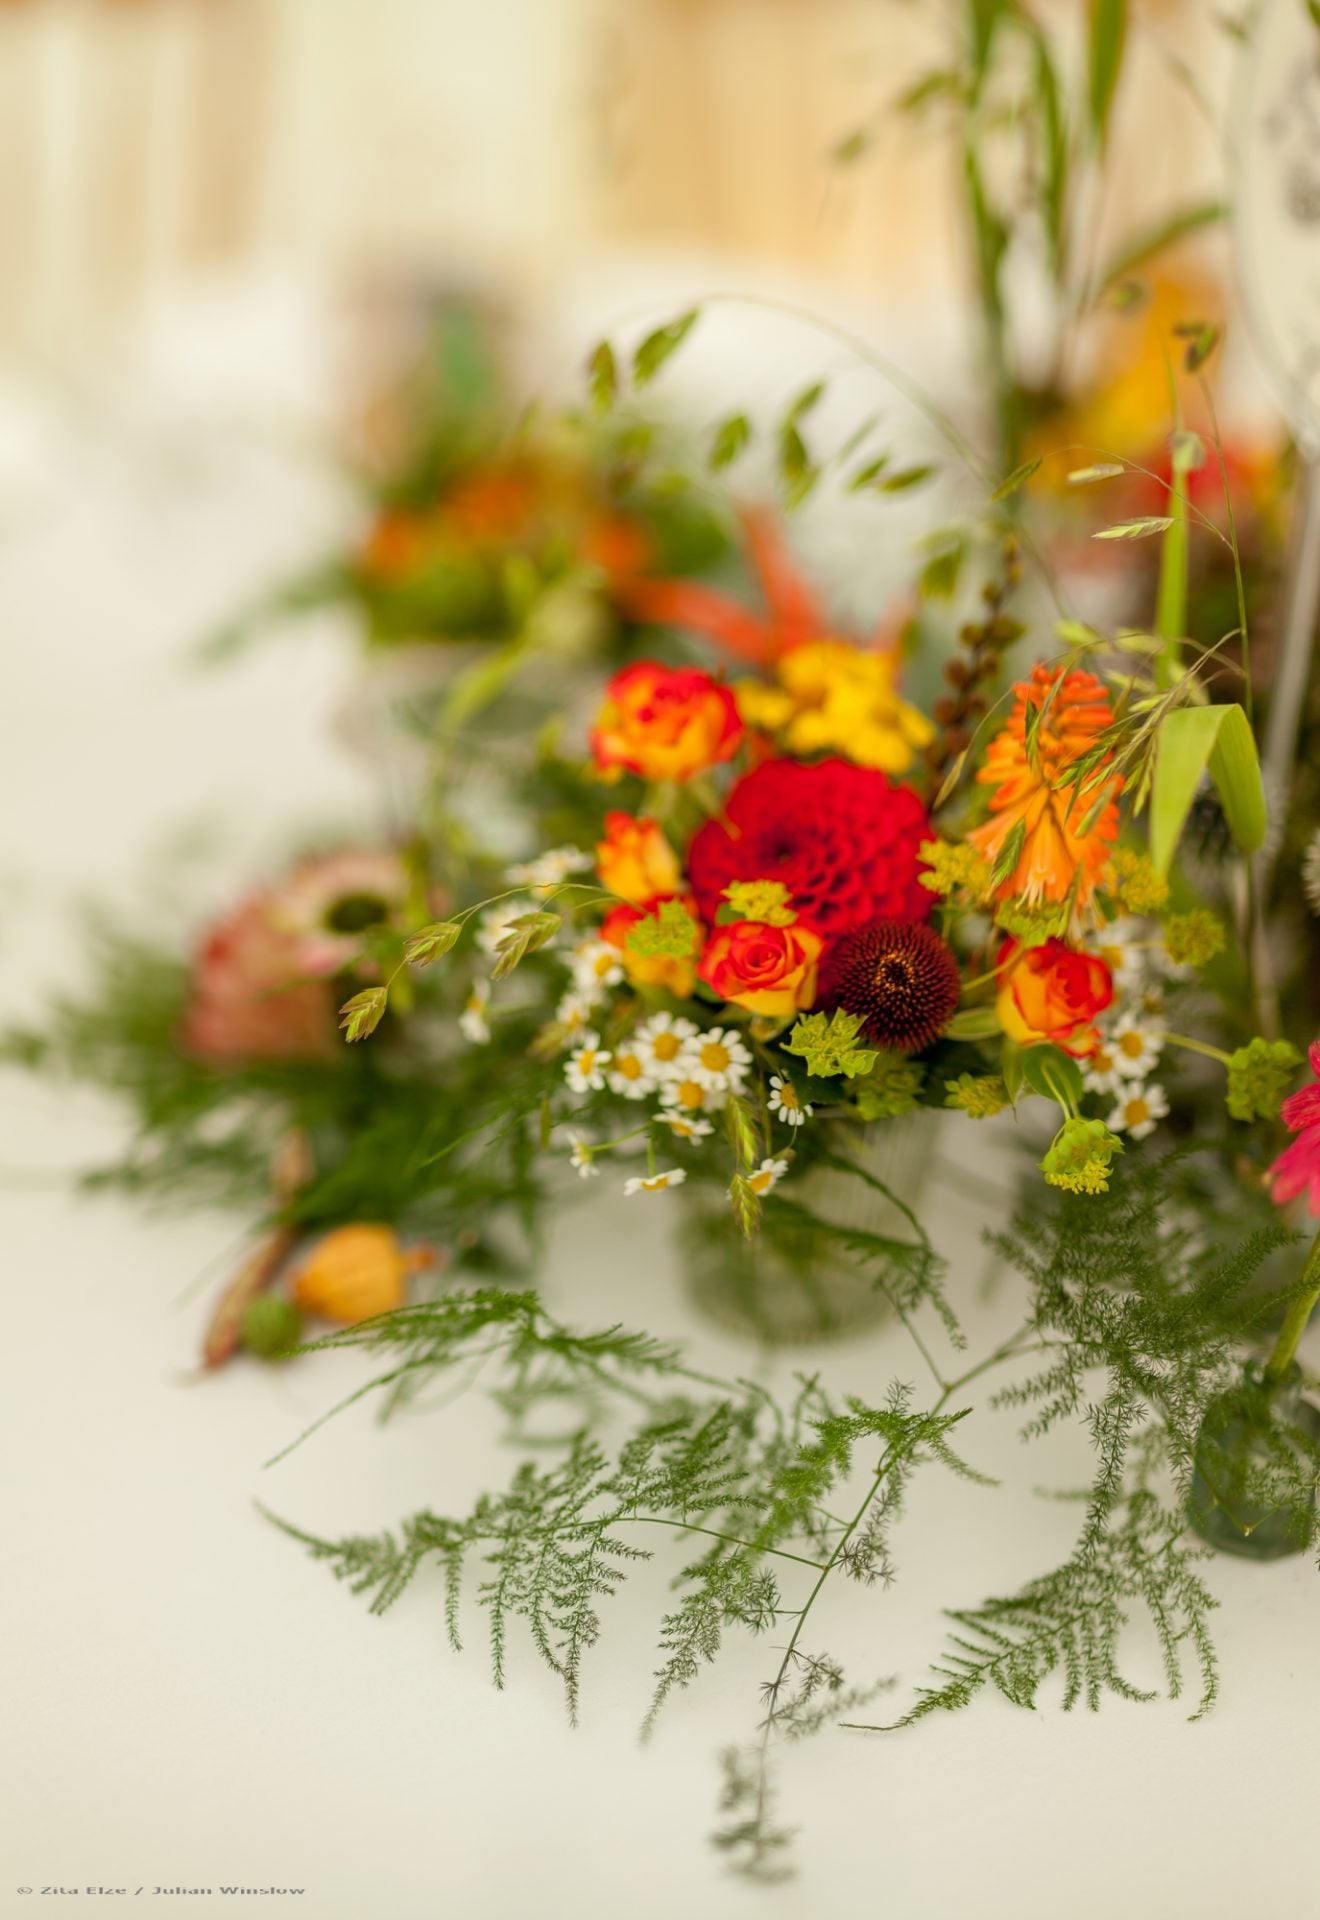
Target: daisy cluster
x,y
1132,1036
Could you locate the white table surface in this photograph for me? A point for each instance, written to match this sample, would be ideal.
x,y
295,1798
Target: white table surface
x,y
191,1702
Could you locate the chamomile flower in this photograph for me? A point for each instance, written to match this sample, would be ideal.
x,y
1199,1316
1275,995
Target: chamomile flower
x,y
1120,946
585,1069
687,1095
596,965
574,1013
630,1072
1135,1047
655,1182
766,1176
787,1102
661,1039
685,1125
1101,1073
1138,1108
582,1156
472,1022
550,868
716,1059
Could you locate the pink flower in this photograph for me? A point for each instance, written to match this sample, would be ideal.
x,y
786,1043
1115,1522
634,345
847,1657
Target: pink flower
x,y
1297,1168
250,998
1302,1109
330,903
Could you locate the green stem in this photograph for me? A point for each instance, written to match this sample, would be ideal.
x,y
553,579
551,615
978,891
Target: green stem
x,y
1196,1046
1296,1318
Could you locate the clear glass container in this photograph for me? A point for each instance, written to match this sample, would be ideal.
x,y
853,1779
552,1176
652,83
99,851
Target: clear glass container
x,y
1257,1459
793,1285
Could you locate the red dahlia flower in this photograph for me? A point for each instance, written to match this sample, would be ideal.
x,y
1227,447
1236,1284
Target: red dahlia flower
x,y
842,839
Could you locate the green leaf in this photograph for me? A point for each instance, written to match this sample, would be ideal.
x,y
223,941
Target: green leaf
x,y
867,476
659,345
796,468
906,477
603,376
728,441
827,1042
428,943
805,401
522,936
1108,30
1192,742
363,1013
1018,478
668,929
1010,1068
1153,240
1136,529
1048,1070
1202,338
852,147
942,572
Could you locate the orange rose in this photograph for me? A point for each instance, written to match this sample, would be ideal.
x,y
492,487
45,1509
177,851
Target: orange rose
x,y
1052,993
677,973
665,724
635,860
766,969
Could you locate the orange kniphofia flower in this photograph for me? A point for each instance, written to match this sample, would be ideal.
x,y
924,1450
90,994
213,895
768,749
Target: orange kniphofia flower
x,y
1064,842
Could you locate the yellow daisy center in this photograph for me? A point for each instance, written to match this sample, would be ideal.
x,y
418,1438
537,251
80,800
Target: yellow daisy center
x,y
629,1066
587,1060
666,1046
1102,1060
761,1182
788,1098
1136,1112
1132,1045
715,1057
690,1095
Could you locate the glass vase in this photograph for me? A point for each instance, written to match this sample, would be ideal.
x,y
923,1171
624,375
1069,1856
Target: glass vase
x,y
793,1285
1257,1456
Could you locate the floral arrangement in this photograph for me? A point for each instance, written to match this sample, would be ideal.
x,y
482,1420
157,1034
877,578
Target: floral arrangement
x,y
790,901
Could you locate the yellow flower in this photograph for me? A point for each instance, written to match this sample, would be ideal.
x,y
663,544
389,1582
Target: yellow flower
x,y
357,1272
837,698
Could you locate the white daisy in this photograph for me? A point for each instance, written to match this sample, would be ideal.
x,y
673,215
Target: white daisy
x,y
689,1096
585,1069
574,1013
717,1058
1101,1072
581,1156
472,1022
685,1125
630,1072
766,1176
1135,1047
549,868
1139,1107
596,965
786,1101
1119,946
661,1040
655,1182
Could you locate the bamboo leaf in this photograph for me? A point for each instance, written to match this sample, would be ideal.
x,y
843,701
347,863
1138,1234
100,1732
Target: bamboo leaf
x,y
603,376
1018,478
661,344
1194,741
728,441
1108,31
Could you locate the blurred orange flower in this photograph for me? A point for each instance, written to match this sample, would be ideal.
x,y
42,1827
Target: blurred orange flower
x,y
665,723
1052,992
678,974
769,970
635,860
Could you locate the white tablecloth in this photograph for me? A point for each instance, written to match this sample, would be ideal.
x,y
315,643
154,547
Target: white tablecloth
x,y
192,1703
